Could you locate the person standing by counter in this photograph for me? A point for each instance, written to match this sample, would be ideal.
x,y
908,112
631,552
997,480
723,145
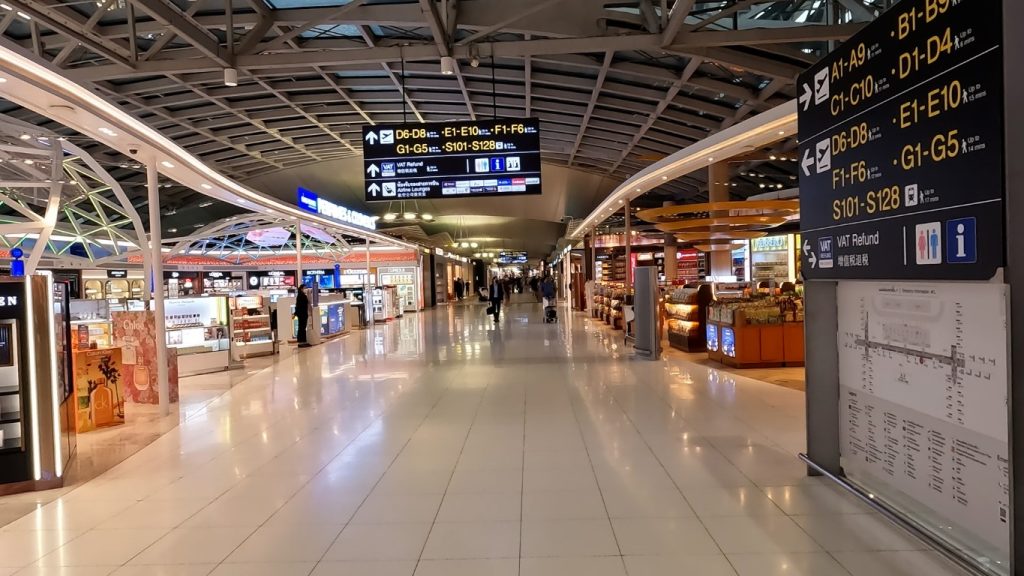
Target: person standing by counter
x,y
302,311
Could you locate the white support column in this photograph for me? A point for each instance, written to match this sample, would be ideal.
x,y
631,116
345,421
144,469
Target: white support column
x,y
298,253
155,242
368,292
629,246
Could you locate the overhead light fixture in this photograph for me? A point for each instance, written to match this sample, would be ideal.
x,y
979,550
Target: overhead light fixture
x,y
409,215
206,204
107,131
428,217
447,65
25,137
172,230
206,186
29,161
5,7
473,245
465,245
25,16
230,77
166,164
390,216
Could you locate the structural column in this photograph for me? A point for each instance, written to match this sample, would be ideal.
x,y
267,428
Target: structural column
x,y
368,291
298,252
629,246
719,261
671,252
588,257
155,243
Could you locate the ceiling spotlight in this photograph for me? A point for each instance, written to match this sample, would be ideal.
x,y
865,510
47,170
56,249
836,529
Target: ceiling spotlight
x,y
29,161
390,216
427,217
465,245
711,159
206,186
166,164
25,137
172,230
473,245
447,65
409,215
107,131
230,77
760,185
772,157
206,204
664,177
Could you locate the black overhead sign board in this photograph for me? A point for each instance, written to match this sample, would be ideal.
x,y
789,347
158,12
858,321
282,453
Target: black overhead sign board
x,y
901,147
497,157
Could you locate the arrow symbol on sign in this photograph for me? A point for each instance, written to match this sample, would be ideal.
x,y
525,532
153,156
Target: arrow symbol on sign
x,y
812,259
373,189
807,247
371,137
807,162
373,170
805,97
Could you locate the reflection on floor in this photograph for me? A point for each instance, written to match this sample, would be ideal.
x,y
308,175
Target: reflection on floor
x,y
442,444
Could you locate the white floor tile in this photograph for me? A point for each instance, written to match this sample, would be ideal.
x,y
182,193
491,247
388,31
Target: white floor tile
x,y
382,508
857,532
21,548
730,501
786,564
673,565
365,568
499,567
590,566
168,570
574,505
813,499
265,569
474,507
285,544
379,542
193,546
568,538
662,536
103,547
899,563
37,570
758,534
470,540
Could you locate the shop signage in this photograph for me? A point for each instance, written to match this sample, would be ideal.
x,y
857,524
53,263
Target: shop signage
x,y
901,147
317,273
311,202
770,244
118,274
492,157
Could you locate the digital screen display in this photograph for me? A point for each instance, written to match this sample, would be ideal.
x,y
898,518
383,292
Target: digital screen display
x,y
495,157
512,257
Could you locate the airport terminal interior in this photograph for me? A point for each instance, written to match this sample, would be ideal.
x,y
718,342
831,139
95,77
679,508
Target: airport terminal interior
x,y
510,288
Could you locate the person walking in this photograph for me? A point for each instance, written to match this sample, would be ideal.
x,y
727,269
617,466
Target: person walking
x,y
497,294
547,291
302,312
460,288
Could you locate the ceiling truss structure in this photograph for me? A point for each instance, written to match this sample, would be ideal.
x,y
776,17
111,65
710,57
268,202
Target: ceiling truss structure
x,y
234,240
616,85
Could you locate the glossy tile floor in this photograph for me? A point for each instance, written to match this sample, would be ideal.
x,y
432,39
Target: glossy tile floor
x,y
444,445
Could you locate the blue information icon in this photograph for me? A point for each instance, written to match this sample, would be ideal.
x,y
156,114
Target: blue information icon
x,y
961,241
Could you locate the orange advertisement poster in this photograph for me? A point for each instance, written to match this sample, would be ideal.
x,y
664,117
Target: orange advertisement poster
x,y
135,333
99,391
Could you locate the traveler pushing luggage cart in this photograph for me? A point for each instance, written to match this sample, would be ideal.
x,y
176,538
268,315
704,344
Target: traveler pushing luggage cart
x,y
547,291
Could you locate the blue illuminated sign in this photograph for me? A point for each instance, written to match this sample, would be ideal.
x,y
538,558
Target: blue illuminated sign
x,y
310,202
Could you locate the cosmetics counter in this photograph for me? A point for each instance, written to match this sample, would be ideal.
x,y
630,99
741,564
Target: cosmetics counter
x,y
330,319
251,331
198,329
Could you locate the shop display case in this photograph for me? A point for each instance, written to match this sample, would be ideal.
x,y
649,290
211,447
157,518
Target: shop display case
x,y
405,282
686,311
198,329
90,324
251,333
757,332
333,317
383,300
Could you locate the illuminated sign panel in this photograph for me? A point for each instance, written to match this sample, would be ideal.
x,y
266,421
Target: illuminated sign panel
x,y
901,147
496,157
311,202
512,258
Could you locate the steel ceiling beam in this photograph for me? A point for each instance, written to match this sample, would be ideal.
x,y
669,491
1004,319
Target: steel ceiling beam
x,y
279,41
371,41
673,90
680,10
183,25
72,26
598,83
375,54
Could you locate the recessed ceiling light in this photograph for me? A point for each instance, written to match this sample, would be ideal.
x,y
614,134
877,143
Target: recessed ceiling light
x,y
781,132
172,230
206,204
241,200
427,217
206,186
166,164
664,177
390,216
107,131
5,7
25,137
29,161
25,16
409,215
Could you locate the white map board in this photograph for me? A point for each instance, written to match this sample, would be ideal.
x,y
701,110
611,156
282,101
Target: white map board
x,y
923,371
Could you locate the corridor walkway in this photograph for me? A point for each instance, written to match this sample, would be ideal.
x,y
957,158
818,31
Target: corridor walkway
x,y
443,445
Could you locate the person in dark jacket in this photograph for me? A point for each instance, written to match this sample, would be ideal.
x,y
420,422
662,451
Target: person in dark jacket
x,y
547,291
497,294
302,309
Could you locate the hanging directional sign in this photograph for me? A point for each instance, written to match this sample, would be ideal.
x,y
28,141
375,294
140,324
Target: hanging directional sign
x,y
497,157
901,153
